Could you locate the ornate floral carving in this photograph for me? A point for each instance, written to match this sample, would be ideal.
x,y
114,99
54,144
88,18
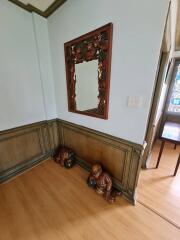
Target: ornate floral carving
x,y
95,45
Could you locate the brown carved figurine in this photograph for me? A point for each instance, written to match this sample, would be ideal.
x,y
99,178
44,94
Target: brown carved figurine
x,y
102,183
65,157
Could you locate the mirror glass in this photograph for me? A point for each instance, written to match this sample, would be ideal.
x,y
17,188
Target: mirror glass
x,y
87,85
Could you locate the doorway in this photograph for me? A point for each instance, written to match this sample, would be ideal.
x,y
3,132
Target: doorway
x,y
163,79
157,189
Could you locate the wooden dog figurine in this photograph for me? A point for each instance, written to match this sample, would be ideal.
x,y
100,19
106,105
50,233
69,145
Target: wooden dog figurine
x,y
102,183
65,157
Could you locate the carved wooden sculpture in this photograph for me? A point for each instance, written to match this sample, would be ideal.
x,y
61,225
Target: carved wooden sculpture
x,y
65,157
102,183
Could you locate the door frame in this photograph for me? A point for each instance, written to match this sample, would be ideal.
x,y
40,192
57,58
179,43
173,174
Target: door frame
x,y
155,98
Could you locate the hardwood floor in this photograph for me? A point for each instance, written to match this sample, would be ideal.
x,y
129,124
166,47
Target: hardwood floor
x,y
158,189
52,203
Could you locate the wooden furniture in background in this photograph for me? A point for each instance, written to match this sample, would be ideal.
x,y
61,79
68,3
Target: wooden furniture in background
x,y
170,133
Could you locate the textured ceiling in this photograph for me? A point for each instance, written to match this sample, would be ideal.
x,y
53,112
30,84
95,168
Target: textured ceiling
x,y
40,4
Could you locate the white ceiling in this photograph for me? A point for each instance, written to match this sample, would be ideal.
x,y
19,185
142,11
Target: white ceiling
x,y
40,4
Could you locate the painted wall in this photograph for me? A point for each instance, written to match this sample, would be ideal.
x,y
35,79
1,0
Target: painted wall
x,y
44,59
21,83
138,31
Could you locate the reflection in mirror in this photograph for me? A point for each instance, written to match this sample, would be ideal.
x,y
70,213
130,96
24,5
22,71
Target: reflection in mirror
x,y
87,85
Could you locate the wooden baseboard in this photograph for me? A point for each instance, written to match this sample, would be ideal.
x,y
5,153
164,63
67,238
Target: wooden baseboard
x,y
20,168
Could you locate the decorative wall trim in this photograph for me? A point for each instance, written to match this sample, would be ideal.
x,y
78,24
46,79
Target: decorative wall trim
x,y
30,8
122,159
23,147
17,169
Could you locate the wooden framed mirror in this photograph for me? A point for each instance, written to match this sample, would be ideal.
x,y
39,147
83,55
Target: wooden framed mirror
x,y
88,65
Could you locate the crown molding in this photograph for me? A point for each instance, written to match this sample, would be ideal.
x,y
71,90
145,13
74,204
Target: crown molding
x,y
30,8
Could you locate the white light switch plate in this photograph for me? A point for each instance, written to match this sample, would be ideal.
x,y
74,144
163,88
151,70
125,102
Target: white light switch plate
x,y
135,101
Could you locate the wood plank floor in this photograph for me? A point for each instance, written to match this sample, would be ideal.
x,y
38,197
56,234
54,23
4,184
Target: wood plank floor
x,y
52,203
157,188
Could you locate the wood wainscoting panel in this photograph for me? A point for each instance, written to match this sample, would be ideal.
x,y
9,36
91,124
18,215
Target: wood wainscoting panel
x,y
122,159
23,147
93,150
53,134
15,149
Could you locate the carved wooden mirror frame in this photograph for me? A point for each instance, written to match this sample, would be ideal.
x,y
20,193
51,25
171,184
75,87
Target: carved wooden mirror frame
x,y
95,45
